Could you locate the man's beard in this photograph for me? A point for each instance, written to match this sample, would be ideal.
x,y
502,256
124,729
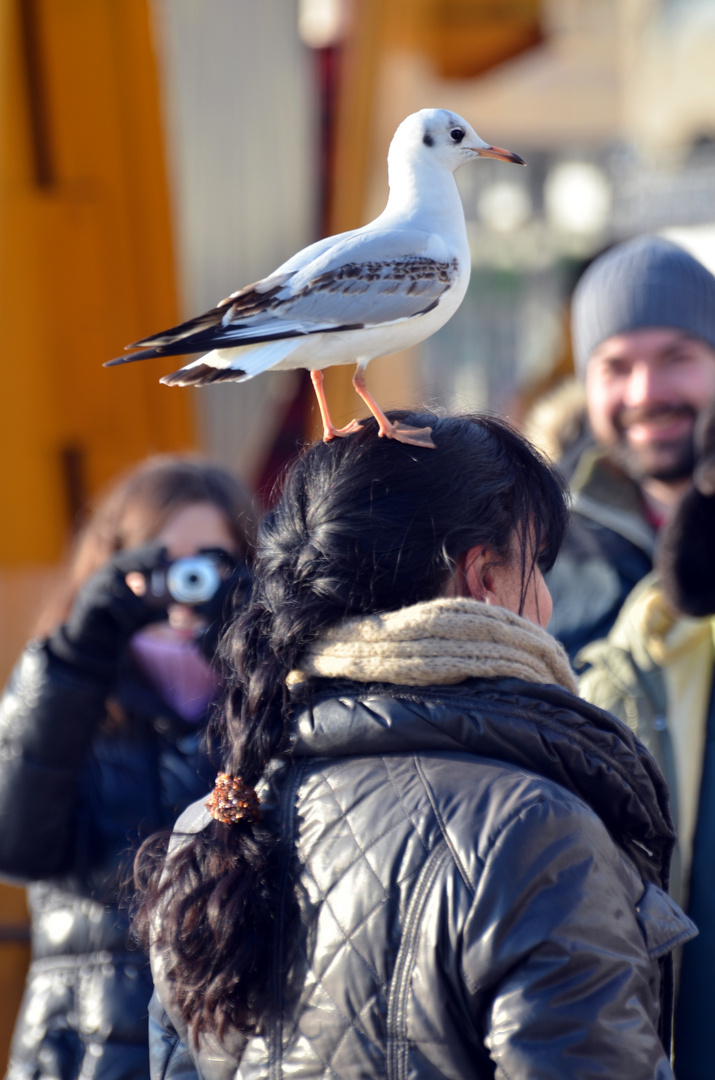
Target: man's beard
x,y
667,460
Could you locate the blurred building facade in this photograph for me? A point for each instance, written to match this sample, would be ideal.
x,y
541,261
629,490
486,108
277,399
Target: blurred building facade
x,y
614,112
241,109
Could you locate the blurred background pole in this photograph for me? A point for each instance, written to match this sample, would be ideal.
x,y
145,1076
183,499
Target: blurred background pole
x,y
348,135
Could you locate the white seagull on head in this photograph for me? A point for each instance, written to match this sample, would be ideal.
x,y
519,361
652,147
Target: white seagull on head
x,y
354,296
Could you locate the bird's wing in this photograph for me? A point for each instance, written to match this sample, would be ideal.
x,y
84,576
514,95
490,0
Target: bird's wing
x,y
375,275
372,241
251,300
314,251
361,281
370,293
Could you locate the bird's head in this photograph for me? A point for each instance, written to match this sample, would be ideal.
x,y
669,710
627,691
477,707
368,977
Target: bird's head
x,y
443,137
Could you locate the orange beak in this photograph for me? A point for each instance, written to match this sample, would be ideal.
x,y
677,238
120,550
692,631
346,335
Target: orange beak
x,y
500,155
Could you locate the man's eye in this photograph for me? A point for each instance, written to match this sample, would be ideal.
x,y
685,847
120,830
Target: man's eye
x,y
616,369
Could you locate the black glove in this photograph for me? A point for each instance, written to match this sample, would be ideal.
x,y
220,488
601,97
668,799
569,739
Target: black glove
x,y
106,613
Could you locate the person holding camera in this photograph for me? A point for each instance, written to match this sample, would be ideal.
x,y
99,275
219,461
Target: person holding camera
x,y
102,729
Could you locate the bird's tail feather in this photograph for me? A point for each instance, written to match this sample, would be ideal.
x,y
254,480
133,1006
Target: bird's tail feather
x,y
203,375
233,365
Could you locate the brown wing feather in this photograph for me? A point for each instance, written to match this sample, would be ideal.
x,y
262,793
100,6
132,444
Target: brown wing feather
x,y
242,304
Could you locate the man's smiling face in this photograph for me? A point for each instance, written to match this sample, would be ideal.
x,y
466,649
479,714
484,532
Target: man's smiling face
x,y
645,390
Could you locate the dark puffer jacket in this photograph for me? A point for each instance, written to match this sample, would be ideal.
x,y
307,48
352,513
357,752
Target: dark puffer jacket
x,y
479,874
78,792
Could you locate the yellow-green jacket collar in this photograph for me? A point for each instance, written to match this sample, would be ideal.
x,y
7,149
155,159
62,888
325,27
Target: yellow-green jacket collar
x,y
603,492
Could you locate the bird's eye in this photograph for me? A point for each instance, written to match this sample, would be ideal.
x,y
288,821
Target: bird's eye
x,y
456,135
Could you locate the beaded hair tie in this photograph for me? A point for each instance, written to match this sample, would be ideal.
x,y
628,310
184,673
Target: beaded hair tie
x,y
232,801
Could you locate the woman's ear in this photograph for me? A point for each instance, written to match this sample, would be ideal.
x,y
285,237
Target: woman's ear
x,y
479,571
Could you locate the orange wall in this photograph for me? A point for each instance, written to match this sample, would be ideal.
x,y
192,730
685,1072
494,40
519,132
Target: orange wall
x,y
86,265
86,262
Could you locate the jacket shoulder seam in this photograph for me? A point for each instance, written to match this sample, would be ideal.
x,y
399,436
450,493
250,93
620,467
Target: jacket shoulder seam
x,y
443,828
407,813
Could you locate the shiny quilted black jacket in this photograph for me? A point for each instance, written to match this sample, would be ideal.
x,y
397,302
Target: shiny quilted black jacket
x,y
78,792
479,873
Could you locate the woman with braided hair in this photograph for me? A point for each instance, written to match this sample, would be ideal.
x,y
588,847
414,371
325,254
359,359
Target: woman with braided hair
x,y
424,855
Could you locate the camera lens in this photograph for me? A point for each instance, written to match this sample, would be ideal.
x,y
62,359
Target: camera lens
x,y
193,580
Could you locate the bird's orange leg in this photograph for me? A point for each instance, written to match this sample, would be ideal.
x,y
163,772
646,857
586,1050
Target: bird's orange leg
x,y
387,428
329,431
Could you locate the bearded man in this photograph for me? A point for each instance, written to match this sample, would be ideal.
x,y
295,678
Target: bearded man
x,y
643,328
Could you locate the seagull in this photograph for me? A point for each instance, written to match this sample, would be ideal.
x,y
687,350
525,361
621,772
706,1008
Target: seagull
x,y
355,296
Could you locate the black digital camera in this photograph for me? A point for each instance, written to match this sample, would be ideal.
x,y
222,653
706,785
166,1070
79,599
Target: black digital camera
x,y
193,580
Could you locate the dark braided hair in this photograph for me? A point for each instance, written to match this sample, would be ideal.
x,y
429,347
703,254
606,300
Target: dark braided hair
x,y
364,525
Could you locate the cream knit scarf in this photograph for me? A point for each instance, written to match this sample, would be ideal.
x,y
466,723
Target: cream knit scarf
x,y
436,643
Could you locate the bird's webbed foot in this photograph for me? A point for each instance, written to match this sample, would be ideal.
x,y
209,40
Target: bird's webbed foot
x,y
413,436
331,432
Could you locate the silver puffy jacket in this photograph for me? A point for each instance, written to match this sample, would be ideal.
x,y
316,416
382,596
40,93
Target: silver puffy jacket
x,y
480,874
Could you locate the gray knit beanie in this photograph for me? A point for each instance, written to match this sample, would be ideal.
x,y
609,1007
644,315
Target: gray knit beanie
x,y
641,283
